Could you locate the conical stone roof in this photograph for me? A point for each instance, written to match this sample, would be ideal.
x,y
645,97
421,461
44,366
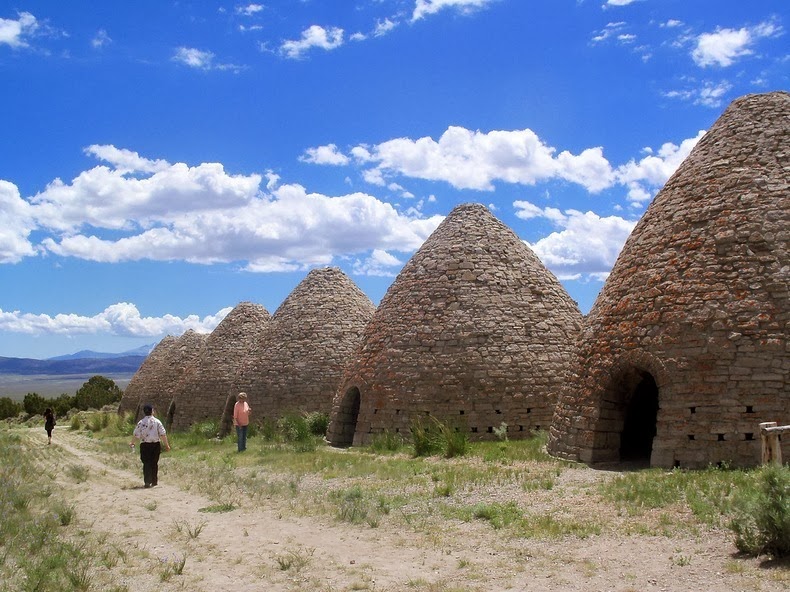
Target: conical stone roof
x,y
210,378
305,347
474,331
158,383
690,330
146,376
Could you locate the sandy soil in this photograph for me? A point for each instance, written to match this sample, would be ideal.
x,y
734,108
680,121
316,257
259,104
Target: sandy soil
x,y
266,548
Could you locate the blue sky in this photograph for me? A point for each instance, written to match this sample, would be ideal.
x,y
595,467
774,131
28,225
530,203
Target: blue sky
x,y
162,161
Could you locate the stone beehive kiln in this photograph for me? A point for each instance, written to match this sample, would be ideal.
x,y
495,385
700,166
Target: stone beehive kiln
x,y
210,378
146,375
474,331
157,382
302,352
685,351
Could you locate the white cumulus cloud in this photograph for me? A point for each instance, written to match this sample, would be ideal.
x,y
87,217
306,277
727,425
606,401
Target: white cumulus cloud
x,y
328,154
423,8
201,60
586,244
16,224
15,32
724,46
476,160
122,319
138,208
315,36
650,173
709,94
249,9
379,263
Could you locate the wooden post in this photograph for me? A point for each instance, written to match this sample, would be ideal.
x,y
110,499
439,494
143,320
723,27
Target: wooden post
x,y
772,450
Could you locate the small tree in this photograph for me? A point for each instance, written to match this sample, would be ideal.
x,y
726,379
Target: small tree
x,y
34,404
9,408
62,405
96,393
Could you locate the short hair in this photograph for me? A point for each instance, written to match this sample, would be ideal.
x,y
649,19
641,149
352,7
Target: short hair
x,y
148,409
242,396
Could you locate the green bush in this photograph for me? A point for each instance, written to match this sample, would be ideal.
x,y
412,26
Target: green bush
x,y
438,437
34,404
62,405
762,519
207,429
267,429
96,393
317,422
425,439
9,408
294,428
387,441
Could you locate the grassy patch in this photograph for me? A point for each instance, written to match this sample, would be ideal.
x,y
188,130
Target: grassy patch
x,y
41,548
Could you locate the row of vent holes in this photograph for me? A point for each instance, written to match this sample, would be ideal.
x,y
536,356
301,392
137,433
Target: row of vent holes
x,y
490,429
720,437
719,465
462,412
749,409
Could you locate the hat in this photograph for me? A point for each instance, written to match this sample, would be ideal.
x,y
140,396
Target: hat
x,y
148,409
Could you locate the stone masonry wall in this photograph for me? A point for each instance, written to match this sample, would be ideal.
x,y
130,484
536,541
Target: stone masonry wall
x,y
698,299
301,355
155,363
474,331
210,378
158,383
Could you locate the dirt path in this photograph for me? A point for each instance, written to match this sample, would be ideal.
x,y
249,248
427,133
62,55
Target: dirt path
x,y
259,548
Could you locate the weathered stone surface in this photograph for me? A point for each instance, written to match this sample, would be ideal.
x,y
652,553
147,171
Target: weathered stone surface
x,y
698,300
474,330
147,373
209,380
299,358
156,380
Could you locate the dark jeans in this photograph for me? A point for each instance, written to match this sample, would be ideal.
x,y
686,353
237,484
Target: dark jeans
x,y
149,454
241,436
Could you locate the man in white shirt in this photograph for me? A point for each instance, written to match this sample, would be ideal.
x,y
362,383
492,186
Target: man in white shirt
x,y
150,432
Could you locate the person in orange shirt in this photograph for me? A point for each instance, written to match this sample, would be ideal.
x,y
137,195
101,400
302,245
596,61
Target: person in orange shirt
x,y
241,419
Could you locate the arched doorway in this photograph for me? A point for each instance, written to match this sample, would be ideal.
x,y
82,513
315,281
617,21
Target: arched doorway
x,y
639,422
347,418
226,421
171,414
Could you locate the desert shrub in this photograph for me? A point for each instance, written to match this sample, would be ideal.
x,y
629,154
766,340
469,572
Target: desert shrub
x,y
267,430
437,437
98,422
317,423
9,408
206,430
76,423
456,442
294,428
387,441
762,518
425,439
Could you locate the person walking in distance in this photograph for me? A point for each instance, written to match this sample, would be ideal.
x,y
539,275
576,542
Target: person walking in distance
x,y
151,433
241,419
49,423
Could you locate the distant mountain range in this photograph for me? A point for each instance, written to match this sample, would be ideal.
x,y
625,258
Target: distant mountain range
x,y
83,362
143,350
